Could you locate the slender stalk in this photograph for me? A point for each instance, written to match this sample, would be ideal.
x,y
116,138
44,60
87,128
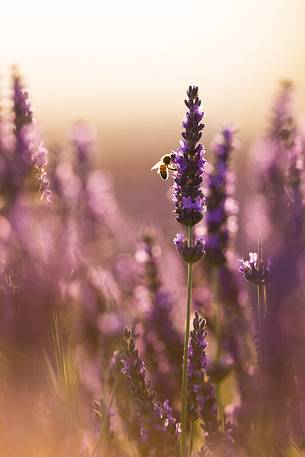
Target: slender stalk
x,y
103,423
265,298
218,338
183,446
259,322
191,438
259,309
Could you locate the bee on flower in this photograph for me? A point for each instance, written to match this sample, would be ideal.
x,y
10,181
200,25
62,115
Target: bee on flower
x,y
164,166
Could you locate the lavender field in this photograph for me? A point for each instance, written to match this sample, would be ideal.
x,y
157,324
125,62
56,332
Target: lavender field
x,y
152,231
97,358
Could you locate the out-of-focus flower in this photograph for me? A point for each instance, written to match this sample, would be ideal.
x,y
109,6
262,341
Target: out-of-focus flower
x,y
157,428
219,201
83,140
161,340
38,157
23,113
28,154
197,361
282,121
187,193
202,397
254,269
190,254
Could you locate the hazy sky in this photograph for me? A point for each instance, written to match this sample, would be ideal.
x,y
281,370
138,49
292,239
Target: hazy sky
x,y
124,65
130,60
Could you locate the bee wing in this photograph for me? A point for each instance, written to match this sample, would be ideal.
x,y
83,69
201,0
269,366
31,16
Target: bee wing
x,y
172,167
156,166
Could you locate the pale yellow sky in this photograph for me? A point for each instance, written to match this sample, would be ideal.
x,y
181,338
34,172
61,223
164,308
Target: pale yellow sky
x,y
124,65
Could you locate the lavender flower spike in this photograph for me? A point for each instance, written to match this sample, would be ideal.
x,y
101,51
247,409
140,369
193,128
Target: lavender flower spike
x,y
190,254
254,270
23,113
158,430
30,150
201,393
217,199
196,363
187,193
189,206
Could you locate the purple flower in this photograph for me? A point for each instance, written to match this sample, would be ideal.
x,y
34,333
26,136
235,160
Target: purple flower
x,y
23,113
190,254
38,158
201,393
282,120
158,430
29,151
217,214
254,269
187,194
162,341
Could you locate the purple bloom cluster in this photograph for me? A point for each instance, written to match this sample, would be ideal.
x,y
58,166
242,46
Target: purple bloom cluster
x,y
197,361
162,341
282,121
23,113
280,144
187,194
158,429
25,157
202,397
190,254
254,269
217,197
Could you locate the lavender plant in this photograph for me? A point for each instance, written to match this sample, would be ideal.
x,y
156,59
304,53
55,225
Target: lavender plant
x,y
30,152
162,341
69,264
202,396
254,270
156,428
189,206
218,231
217,200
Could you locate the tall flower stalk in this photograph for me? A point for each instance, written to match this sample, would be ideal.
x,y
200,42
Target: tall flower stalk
x,y
256,270
31,156
162,342
189,206
217,226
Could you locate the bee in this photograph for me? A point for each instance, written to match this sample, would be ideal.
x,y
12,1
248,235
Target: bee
x,y
163,166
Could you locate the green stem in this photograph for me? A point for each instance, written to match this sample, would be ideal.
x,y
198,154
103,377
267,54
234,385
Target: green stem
x,y
191,439
183,447
218,340
259,310
104,422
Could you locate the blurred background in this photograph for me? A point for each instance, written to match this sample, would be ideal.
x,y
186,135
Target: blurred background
x,y
124,66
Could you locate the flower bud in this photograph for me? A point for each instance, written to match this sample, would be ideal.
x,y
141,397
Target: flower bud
x,y
190,254
254,270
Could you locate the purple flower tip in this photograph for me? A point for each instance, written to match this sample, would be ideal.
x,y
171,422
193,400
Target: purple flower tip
x,y
255,270
187,194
